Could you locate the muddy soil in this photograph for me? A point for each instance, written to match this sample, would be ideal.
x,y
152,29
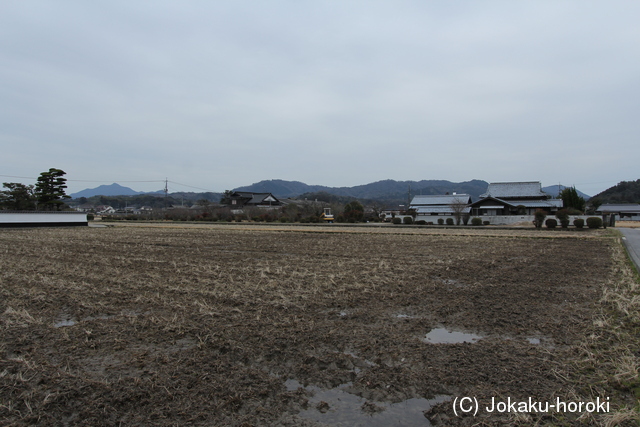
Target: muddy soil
x,y
169,326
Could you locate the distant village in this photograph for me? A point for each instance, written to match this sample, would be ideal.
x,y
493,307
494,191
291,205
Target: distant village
x,y
503,203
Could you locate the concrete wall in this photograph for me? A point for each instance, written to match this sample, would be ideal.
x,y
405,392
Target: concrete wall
x,y
500,219
42,219
493,219
513,219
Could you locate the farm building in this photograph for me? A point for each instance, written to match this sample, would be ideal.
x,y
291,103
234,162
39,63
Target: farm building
x,y
514,198
621,211
440,205
42,219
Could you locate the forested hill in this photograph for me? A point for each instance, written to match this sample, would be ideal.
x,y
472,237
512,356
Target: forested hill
x,y
624,192
387,190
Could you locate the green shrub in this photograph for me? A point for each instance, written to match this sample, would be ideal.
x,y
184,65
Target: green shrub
x,y
540,215
578,222
476,221
421,222
407,220
396,221
563,217
440,221
430,223
551,223
449,221
486,222
594,222
90,217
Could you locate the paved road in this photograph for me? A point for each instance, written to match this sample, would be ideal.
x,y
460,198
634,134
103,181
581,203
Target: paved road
x,y
631,239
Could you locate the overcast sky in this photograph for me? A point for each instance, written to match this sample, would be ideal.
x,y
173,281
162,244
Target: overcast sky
x,y
221,94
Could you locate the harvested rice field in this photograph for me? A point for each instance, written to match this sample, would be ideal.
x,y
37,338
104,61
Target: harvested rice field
x,y
305,326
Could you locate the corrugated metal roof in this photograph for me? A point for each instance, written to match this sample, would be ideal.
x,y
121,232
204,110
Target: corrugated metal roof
x,y
426,210
445,199
620,207
549,203
510,190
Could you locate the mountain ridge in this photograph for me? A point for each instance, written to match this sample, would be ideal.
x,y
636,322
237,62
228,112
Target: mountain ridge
x,y
387,190
114,189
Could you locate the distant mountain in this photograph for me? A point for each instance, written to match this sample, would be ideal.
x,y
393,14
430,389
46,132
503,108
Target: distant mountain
x,y
554,191
623,192
105,190
388,190
281,188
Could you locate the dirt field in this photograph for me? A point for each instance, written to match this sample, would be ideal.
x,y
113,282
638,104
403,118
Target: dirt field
x,y
628,224
293,326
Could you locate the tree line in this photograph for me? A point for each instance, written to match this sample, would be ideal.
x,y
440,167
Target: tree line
x,y
48,193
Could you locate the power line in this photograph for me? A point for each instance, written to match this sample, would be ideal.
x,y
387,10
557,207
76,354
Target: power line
x,y
165,181
81,180
22,177
191,186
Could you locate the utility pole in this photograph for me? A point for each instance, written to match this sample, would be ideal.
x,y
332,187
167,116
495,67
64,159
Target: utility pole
x,y
166,192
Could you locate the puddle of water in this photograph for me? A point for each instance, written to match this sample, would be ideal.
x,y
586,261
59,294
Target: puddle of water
x,y
66,322
339,407
444,336
292,385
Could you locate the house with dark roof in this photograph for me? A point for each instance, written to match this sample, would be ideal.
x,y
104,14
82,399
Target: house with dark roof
x,y
240,199
514,198
446,204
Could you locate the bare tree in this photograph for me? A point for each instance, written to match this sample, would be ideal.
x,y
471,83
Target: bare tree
x,y
458,206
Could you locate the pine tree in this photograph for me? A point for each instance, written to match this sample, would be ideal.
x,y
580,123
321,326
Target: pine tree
x,y
17,197
49,190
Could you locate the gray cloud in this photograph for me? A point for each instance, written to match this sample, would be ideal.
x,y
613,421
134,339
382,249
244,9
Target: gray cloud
x,y
223,94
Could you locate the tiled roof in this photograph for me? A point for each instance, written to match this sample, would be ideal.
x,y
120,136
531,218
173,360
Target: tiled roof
x,y
255,198
511,190
527,203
